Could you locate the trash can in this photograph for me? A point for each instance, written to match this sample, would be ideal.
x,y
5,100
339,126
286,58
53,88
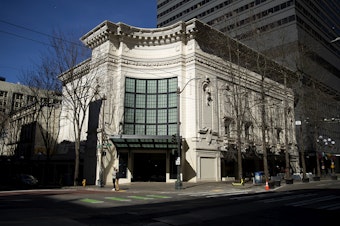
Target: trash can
x,y
258,177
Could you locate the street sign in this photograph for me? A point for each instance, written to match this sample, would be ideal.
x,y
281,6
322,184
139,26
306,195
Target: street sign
x,y
178,161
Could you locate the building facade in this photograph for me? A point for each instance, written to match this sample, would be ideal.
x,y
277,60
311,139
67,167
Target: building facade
x,y
296,34
26,116
29,120
158,89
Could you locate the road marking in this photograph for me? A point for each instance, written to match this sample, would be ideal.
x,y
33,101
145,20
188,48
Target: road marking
x,y
258,196
279,199
118,199
159,196
311,201
333,206
216,195
140,197
91,201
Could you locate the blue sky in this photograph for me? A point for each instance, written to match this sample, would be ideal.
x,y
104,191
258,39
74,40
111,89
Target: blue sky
x,y
23,21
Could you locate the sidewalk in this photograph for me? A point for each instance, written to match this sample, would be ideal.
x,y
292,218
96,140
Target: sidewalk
x,y
191,187
187,187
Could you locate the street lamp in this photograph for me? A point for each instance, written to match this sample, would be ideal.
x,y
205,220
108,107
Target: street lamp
x,y
335,40
178,183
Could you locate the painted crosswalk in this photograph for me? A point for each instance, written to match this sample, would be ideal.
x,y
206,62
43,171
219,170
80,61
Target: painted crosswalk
x,y
216,193
129,198
317,200
93,201
118,199
291,199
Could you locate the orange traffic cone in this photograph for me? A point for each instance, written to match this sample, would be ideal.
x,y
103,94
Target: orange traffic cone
x,y
267,186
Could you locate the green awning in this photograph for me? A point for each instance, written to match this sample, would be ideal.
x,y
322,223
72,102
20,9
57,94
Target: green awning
x,y
143,142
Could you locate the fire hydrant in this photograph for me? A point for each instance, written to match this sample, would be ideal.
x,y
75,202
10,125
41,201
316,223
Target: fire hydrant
x,y
84,182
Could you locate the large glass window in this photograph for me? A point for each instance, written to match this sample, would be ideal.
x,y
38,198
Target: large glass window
x,y
150,106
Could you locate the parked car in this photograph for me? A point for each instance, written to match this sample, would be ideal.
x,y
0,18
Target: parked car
x,y
25,180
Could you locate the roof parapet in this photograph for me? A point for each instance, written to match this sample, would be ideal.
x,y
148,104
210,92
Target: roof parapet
x,y
143,36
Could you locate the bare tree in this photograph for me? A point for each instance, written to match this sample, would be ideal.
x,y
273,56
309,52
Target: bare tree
x,y
44,100
64,55
78,94
242,100
4,124
79,90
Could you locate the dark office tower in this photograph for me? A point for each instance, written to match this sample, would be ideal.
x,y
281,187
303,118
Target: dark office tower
x,y
300,34
287,30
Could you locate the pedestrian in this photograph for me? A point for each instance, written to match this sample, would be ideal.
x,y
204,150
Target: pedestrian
x,y
117,179
114,178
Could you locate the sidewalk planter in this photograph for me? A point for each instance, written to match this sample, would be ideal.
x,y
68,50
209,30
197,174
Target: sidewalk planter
x,y
316,178
276,180
277,183
305,180
289,181
271,184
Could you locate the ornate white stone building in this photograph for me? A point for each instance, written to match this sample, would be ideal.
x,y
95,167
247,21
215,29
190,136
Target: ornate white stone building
x,y
146,79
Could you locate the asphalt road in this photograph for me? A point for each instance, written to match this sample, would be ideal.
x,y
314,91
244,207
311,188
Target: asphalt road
x,y
302,204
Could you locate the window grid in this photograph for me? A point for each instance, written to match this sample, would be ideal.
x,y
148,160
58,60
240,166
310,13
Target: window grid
x,y
150,106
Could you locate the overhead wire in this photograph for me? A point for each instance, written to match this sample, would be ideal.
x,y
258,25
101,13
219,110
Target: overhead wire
x,y
20,36
64,40
35,31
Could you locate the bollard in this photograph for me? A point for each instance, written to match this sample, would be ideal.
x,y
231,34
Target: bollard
x,y
84,182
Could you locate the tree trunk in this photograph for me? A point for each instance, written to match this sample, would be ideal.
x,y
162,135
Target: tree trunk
x,y
263,130
287,159
76,163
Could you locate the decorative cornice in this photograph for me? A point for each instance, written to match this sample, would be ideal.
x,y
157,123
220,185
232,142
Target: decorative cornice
x,y
180,31
76,72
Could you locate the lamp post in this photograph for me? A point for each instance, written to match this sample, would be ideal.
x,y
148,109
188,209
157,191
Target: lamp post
x,y
335,40
178,183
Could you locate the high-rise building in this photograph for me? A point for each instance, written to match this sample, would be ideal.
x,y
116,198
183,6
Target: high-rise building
x,y
301,35
268,25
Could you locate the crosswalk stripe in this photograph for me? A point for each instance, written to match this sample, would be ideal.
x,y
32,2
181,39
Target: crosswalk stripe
x,y
330,207
257,196
334,208
129,199
227,194
91,200
286,198
140,197
159,196
310,201
118,199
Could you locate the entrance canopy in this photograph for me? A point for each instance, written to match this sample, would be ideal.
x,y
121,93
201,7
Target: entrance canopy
x,y
143,142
